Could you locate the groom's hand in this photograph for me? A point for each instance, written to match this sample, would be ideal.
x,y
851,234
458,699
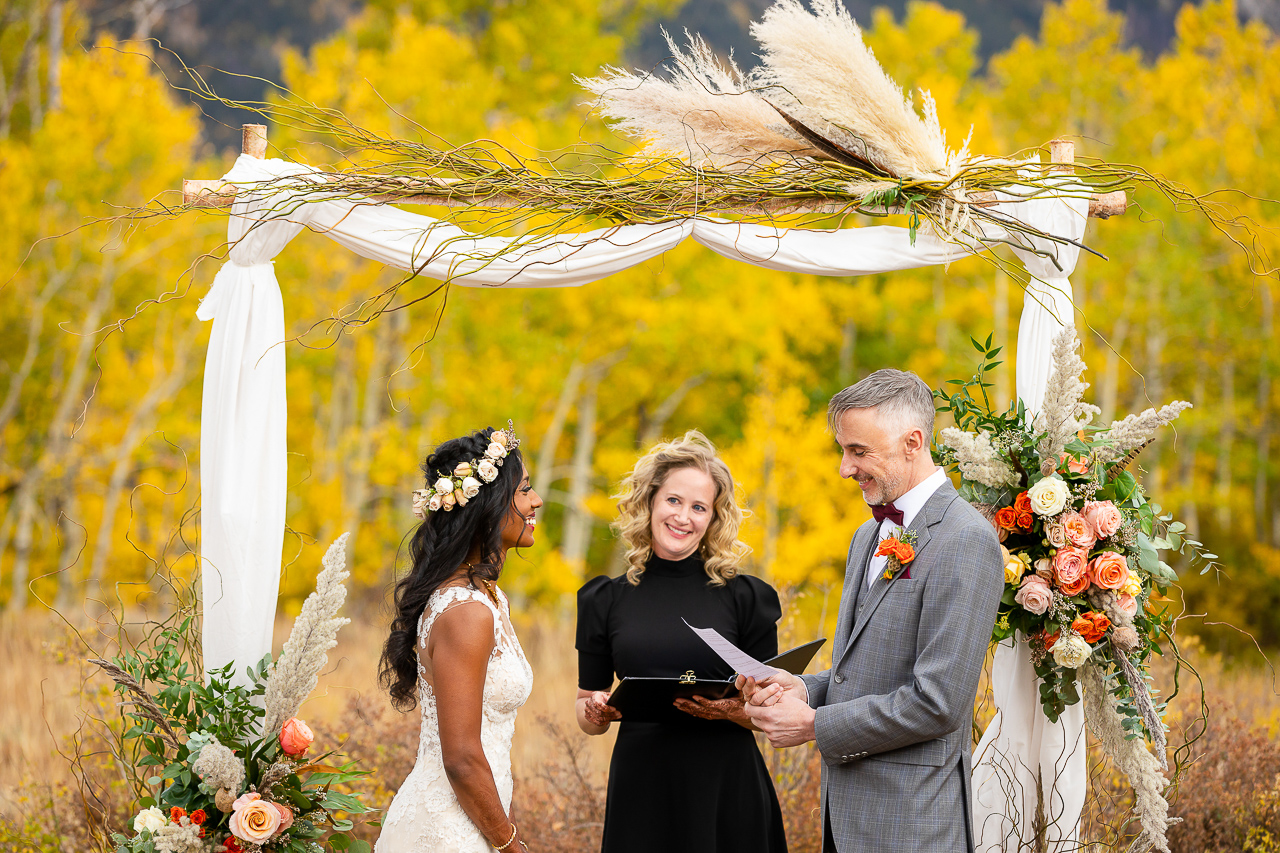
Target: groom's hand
x,y
769,690
787,720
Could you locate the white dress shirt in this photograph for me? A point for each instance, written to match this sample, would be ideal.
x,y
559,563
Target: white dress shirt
x,y
911,503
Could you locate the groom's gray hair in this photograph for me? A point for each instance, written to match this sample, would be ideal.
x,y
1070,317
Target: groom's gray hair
x,y
897,395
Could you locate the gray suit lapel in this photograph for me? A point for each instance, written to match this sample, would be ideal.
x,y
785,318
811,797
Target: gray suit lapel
x,y
855,578
869,599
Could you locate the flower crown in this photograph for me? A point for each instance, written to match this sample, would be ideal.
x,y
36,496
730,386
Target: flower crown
x,y
455,489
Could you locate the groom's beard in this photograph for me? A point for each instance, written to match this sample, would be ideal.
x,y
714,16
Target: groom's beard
x,y
883,489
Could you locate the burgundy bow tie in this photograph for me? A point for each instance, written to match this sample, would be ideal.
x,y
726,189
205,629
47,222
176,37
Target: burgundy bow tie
x,y
889,511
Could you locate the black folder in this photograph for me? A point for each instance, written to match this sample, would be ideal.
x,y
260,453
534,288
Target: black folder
x,y
649,700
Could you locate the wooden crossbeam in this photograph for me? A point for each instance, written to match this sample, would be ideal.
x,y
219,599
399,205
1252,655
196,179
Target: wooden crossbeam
x,y
217,193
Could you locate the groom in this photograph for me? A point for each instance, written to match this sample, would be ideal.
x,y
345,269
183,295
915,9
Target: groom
x,y
893,716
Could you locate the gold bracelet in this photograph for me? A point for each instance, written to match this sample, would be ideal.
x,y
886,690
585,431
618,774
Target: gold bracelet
x,y
509,840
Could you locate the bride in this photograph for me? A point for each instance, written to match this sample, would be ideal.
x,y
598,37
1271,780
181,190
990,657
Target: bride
x,y
452,649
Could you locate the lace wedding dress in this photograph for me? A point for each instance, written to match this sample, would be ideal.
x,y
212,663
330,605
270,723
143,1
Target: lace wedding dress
x,y
425,816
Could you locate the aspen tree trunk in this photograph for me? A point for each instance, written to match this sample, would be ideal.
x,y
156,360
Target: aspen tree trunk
x,y
1262,462
1226,436
74,539
544,471
1189,514
54,41
164,384
1155,381
35,328
847,363
59,436
357,474
578,519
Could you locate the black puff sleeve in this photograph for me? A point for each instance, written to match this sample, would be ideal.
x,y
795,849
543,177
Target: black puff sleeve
x,y
758,611
595,653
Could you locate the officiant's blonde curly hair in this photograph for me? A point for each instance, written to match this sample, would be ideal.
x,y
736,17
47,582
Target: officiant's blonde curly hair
x,y
720,548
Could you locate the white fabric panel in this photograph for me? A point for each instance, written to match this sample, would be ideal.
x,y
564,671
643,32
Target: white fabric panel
x,y
843,252
1021,744
242,436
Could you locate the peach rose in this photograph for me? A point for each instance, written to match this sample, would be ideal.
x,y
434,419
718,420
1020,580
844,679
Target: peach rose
x,y
1127,604
1109,570
286,816
295,737
1078,531
1103,517
1069,564
255,822
1075,587
1074,464
1034,595
244,800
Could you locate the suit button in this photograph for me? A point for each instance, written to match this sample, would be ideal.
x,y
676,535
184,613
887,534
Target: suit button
x,y
839,679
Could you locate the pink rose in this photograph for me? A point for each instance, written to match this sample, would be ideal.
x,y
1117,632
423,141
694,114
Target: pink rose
x,y
1109,570
286,816
1054,533
256,822
1103,517
1034,595
295,737
1069,564
1127,604
1078,531
1074,464
244,800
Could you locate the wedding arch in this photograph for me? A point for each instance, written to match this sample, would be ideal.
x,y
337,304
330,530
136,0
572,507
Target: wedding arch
x,y
1030,773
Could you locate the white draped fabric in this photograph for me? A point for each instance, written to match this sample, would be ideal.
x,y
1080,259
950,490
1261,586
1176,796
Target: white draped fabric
x,y
243,467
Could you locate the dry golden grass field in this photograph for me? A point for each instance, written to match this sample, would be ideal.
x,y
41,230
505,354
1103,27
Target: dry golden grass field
x,y
1228,792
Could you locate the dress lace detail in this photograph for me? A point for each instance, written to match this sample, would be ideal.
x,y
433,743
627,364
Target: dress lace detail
x,y
425,815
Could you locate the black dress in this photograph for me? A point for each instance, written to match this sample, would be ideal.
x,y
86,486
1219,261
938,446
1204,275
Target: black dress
x,y
697,785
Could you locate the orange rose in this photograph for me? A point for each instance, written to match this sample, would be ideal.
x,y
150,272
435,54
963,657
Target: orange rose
x,y
1022,504
1007,518
1109,570
1025,520
1049,639
295,737
904,552
177,813
198,817
1091,626
1075,587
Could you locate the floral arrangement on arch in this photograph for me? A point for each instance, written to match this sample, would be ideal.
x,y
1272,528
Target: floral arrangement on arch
x,y
1081,545
226,767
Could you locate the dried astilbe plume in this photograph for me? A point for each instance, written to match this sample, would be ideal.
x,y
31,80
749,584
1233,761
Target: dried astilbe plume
x,y
315,631
219,767
1131,757
817,68
1136,430
705,114
1063,413
978,460
182,837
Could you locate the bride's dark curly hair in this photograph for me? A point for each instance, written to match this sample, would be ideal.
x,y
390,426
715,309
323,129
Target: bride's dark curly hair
x,y
439,546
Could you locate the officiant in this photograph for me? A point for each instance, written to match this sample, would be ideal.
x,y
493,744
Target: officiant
x,y
695,781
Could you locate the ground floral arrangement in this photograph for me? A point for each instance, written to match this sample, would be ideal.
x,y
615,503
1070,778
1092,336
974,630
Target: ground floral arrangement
x,y
227,766
1081,546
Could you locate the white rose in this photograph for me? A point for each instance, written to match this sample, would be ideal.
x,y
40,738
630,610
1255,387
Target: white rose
x,y
1048,497
1070,651
495,450
487,471
150,819
471,487
434,503
444,485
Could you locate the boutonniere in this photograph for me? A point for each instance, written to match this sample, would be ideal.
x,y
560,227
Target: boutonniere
x,y
901,551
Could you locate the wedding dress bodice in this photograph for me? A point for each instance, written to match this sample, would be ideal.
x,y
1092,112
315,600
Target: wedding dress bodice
x,y
425,814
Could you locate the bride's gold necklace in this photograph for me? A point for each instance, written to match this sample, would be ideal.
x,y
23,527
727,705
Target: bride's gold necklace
x,y
490,589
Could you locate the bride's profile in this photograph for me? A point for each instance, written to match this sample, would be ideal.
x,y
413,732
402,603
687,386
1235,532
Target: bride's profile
x,y
453,651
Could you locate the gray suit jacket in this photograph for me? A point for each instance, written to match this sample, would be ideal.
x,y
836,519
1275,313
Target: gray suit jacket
x,y
895,710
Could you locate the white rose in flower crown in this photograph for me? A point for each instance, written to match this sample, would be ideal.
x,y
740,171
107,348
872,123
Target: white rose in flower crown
x,y
487,471
1048,497
150,820
444,485
495,450
1070,651
471,487
434,503
499,437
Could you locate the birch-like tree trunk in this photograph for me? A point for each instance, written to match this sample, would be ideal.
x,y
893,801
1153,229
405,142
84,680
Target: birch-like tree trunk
x,y
1262,457
1155,380
1226,437
544,471
356,481
579,520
